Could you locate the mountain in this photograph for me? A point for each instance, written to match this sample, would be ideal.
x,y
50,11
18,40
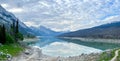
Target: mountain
x,y
7,18
43,31
109,30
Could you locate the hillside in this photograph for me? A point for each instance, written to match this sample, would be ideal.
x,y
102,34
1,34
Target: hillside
x,y
8,18
110,30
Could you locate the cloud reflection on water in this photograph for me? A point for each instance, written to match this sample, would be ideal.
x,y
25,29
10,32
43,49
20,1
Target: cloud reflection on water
x,y
67,49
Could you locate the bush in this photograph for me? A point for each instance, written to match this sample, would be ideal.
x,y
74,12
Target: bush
x,y
9,39
106,56
20,36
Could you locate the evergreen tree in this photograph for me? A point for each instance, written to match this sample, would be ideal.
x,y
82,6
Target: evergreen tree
x,y
13,26
13,30
2,34
17,27
17,34
12,36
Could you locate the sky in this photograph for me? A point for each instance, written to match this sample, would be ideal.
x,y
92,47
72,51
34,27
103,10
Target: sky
x,y
64,15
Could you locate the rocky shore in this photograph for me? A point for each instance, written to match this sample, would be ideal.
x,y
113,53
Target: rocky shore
x,y
35,54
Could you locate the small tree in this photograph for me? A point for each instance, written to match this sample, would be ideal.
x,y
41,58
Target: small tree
x,y
2,34
16,30
13,30
17,33
17,27
13,25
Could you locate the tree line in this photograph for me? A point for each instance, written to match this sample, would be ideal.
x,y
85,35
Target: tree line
x,y
12,35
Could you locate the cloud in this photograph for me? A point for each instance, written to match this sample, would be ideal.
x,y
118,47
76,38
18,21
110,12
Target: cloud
x,y
112,18
4,5
31,23
64,15
16,10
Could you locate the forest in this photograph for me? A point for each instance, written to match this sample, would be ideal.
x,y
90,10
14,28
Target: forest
x,y
10,34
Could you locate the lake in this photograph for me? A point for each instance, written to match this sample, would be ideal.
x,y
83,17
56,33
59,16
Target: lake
x,y
53,46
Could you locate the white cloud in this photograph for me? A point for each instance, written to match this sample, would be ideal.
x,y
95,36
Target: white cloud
x,y
4,5
65,14
31,23
44,4
16,10
112,18
59,1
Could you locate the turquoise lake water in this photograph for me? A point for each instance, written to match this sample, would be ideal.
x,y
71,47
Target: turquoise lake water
x,y
69,47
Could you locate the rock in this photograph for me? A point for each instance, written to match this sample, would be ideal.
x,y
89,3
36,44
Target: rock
x,y
8,56
27,52
1,53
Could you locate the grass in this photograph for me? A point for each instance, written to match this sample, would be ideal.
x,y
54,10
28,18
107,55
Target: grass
x,y
106,56
12,49
118,57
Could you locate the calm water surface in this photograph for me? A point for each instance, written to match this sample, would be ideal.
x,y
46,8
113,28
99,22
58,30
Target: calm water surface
x,y
68,47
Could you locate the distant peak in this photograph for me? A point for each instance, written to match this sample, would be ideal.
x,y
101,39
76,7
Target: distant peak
x,y
43,27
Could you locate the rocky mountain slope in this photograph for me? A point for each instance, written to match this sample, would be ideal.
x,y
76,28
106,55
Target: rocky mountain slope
x,y
8,18
110,30
43,31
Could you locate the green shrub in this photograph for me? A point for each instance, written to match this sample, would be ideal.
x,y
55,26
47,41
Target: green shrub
x,y
118,57
12,49
20,36
106,56
9,39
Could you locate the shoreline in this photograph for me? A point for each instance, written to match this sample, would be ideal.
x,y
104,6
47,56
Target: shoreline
x,y
35,54
30,39
94,40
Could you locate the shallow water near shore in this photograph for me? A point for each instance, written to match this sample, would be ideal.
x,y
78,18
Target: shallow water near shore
x,y
63,47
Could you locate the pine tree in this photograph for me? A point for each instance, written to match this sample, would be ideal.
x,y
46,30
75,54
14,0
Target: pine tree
x,y
13,25
17,25
13,30
0,34
16,30
4,34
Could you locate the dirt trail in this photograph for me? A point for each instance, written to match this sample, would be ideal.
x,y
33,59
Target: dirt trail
x,y
116,54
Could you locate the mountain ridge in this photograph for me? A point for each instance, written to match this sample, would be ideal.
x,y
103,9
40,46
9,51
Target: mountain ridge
x,y
43,31
8,18
109,30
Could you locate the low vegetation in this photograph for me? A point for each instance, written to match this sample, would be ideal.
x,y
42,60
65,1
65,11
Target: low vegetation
x,y
118,57
108,55
9,37
9,49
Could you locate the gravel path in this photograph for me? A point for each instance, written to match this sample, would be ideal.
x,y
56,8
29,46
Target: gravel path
x,y
116,54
